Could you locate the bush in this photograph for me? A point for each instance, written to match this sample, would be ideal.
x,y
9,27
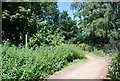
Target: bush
x,y
92,49
86,47
36,63
115,67
98,52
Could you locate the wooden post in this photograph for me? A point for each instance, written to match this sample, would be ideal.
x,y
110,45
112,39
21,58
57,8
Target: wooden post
x,y
26,40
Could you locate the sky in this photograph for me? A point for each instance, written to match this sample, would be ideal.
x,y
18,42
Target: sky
x,y
65,6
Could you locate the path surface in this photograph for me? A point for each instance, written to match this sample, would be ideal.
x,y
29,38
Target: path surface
x,y
95,68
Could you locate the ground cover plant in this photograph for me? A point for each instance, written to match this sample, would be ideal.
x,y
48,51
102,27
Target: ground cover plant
x,y
115,66
36,63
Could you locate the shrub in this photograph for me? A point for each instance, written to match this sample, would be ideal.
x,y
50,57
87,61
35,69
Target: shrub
x,y
85,47
36,63
92,49
98,52
115,67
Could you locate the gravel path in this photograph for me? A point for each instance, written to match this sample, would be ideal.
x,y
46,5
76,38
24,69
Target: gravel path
x,y
95,68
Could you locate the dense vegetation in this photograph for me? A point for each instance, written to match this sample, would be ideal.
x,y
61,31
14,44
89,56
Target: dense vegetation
x,y
115,68
43,23
101,21
54,39
37,63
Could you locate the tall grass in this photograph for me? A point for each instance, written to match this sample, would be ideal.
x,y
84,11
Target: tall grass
x,y
36,63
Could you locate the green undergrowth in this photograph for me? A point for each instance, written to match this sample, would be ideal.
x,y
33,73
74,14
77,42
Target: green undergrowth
x,y
77,61
115,66
40,62
37,63
92,50
98,56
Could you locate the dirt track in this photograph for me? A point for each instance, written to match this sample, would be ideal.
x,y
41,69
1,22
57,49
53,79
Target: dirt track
x,y
95,68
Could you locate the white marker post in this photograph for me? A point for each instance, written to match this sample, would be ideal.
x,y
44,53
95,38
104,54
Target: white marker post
x,y
26,40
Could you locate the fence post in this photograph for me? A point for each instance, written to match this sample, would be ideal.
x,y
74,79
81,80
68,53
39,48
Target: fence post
x,y
26,40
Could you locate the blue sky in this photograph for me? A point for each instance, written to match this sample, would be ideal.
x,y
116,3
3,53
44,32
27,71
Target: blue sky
x,y
65,6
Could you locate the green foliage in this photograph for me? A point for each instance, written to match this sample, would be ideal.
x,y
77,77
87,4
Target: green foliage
x,y
115,67
114,36
91,49
99,20
85,47
68,27
55,34
21,18
98,52
46,36
42,21
36,63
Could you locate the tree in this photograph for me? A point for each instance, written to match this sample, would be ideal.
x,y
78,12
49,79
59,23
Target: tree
x,y
68,26
21,18
42,21
99,19
62,30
